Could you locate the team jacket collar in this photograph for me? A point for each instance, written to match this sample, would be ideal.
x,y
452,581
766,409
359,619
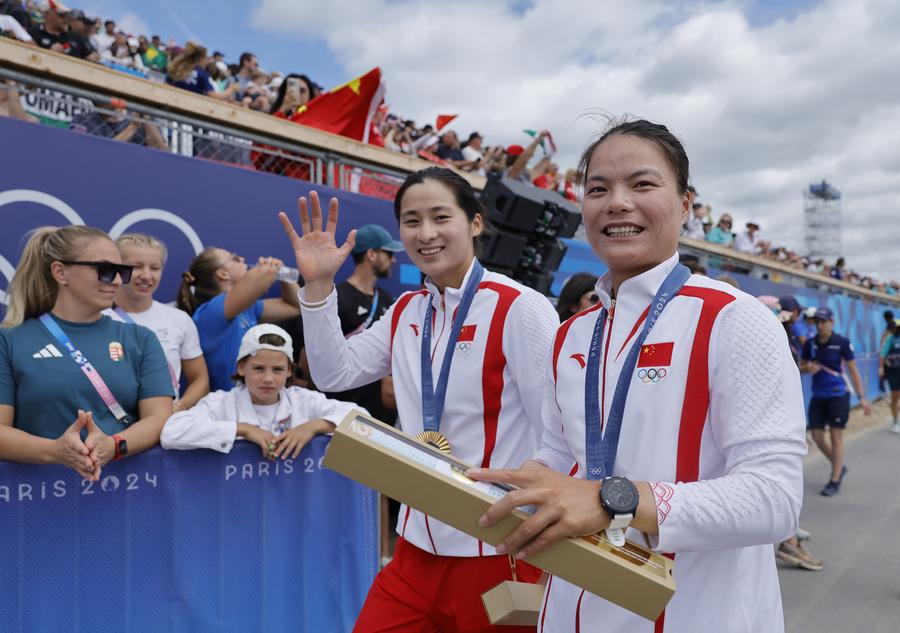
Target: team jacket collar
x,y
636,293
247,412
452,296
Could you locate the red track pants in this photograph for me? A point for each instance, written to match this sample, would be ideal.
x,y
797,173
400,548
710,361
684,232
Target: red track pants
x,y
418,592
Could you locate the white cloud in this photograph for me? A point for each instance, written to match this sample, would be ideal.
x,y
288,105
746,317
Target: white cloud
x,y
763,111
132,24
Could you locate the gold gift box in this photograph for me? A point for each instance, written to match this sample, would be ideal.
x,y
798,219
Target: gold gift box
x,y
399,466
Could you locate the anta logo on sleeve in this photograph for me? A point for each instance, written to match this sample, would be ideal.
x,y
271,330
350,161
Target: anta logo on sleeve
x,y
580,359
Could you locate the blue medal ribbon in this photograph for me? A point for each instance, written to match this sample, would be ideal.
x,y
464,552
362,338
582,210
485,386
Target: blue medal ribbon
x,y
600,446
433,399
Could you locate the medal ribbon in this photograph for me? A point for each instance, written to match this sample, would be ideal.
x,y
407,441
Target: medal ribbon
x,y
600,446
433,399
92,374
127,318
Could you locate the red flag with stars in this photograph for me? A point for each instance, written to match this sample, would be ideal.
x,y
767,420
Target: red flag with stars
x,y
346,110
656,355
466,334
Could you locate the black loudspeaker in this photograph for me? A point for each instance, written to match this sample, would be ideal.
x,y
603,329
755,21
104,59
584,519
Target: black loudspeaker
x,y
522,207
500,249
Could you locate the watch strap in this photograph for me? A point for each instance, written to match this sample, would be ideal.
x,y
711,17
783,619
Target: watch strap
x,y
116,441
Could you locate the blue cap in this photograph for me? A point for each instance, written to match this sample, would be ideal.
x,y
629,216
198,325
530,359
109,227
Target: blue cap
x,y
376,237
825,314
790,303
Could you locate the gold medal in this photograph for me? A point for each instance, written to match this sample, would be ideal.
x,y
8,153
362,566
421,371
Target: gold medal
x,y
435,440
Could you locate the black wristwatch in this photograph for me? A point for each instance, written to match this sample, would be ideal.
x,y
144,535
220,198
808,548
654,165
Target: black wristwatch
x,y
121,447
620,498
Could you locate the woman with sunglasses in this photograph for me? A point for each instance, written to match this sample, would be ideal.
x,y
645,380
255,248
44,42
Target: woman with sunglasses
x,y
225,299
577,294
66,368
680,405
175,330
474,339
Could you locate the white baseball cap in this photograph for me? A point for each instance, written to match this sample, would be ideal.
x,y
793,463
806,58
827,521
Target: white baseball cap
x,y
250,345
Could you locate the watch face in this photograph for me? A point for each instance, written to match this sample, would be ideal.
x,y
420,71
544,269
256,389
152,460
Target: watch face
x,y
619,495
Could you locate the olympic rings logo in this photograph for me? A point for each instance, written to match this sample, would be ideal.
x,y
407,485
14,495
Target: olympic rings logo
x,y
652,375
463,347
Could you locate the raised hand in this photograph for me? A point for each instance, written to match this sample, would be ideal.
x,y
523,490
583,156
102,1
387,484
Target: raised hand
x,y
316,251
71,451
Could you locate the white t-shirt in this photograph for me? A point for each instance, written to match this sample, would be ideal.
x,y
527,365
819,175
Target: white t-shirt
x,y
173,327
746,243
470,153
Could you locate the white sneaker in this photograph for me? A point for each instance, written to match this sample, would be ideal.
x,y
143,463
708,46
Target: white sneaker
x,y
895,428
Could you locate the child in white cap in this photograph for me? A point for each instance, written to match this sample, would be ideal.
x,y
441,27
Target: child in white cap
x,y
260,408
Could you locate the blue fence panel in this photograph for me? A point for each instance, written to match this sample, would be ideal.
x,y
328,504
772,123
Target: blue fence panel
x,y
186,541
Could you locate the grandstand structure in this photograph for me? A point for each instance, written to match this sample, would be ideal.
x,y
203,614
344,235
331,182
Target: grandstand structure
x,y
822,221
238,136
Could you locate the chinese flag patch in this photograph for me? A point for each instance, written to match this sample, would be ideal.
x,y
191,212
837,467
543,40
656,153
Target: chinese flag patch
x,y
656,355
467,334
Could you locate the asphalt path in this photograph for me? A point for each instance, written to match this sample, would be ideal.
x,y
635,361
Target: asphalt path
x,y
856,534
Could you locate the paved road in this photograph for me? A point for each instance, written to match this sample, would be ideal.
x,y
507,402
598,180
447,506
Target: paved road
x,y
857,535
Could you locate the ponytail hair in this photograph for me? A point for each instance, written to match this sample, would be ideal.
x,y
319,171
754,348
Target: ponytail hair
x,y
33,290
199,283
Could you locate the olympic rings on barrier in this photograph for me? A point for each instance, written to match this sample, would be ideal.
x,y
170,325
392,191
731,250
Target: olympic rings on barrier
x,y
652,374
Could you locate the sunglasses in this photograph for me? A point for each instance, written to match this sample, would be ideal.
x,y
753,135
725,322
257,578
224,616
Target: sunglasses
x,y
106,271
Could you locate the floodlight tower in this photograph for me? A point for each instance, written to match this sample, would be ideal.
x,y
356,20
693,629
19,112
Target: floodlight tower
x,y
822,215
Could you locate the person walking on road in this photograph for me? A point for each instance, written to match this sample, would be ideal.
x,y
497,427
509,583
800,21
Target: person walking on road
x,y
889,369
824,356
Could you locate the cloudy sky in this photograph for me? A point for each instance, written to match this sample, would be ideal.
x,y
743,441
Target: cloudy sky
x,y
767,96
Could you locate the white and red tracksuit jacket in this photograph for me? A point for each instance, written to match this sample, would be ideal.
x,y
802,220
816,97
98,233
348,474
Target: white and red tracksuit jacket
x,y
717,427
492,412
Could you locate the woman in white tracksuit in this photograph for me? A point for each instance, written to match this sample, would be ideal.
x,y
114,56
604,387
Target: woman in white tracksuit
x,y
260,408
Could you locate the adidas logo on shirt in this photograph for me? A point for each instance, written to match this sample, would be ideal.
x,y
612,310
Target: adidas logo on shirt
x,y
48,351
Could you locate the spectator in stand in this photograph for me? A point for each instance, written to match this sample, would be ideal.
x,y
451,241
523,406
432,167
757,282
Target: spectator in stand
x,y
11,103
124,52
281,420
549,179
472,153
226,300
721,232
693,228
256,95
188,71
79,36
152,56
450,151
54,335
293,92
889,369
53,33
106,39
748,241
244,76
10,26
571,187
117,125
517,158
174,328
824,357
21,14
398,138
577,294
838,271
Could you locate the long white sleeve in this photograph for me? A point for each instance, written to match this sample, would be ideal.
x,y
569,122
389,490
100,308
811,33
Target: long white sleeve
x,y
339,364
532,321
201,426
316,406
758,423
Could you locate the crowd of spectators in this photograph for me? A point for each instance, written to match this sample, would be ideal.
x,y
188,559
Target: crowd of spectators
x,y
51,24
699,226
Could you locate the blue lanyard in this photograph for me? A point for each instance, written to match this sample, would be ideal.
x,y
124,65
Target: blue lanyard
x,y
371,316
87,369
433,399
600,447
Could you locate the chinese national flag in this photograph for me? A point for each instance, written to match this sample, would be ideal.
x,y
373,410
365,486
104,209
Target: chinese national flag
x,y
442,120
467,334
346,110
655,355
